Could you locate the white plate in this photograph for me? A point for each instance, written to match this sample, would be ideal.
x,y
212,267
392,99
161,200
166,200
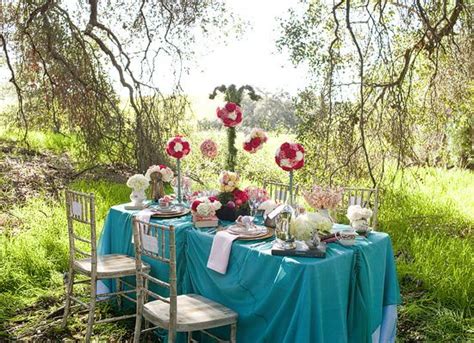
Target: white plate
x,y
240,230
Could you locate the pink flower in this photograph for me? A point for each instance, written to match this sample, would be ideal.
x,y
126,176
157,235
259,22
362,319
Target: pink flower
x,y
209,148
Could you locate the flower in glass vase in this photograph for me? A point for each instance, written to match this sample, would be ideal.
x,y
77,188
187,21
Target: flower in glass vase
x,y
255,140
359,218
234,201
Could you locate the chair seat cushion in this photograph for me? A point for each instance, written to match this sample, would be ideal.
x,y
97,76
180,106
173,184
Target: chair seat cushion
x,y
194,313
109,265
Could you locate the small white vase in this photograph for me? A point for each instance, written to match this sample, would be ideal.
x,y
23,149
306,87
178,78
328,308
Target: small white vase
x,y
138,197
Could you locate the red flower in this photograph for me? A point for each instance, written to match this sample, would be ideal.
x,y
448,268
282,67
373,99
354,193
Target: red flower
x,y
248,147
255,142
213,198
178,147
195,204
230,106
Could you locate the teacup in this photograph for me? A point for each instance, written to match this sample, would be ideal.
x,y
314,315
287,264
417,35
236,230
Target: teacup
x,y
347,237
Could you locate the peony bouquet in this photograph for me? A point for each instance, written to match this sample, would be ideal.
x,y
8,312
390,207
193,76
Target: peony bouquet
x,y
206,206
255,140
356,212
323,198
306,225
166,172
138,182
290,156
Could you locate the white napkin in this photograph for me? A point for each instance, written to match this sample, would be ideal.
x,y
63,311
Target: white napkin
x,y
220,251
145,215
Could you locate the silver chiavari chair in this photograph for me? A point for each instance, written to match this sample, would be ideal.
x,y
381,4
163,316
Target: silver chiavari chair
x,y
365,197
80,211
175,313
279,192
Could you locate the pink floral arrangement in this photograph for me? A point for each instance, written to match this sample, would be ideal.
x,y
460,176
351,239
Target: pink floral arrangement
x,y
290,156
178,147
230,114
205,206
258,194
209,148
166,173
255,140
323,198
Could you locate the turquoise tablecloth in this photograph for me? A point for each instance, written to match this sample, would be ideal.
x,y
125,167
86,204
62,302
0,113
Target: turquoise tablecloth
x,y
346,297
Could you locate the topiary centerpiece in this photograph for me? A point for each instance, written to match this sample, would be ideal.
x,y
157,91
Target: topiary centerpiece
x,y
235,202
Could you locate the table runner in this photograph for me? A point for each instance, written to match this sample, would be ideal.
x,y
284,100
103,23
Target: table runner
x,y
345,297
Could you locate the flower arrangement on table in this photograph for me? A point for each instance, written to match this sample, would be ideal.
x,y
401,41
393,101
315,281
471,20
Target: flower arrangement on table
x,y
204,211
255,140
178,147
234,201
323,199
310,226
138,183
359,218
160,177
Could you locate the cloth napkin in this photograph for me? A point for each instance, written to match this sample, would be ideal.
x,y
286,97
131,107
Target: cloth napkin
x,y
220,251
145,215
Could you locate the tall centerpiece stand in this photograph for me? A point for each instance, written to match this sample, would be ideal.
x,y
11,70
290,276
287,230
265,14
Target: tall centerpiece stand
x,y
178,147
289,157
231,116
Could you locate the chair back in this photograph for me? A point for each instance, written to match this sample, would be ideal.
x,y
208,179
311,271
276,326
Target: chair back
x,y
278,191
156,242
365,197
80,210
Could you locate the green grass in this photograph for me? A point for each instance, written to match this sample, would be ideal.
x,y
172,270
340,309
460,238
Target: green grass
x,y
429,214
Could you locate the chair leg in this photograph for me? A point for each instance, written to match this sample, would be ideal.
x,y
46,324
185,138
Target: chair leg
x,y
190,336
69,289
138,319
118,286
90,321
233,333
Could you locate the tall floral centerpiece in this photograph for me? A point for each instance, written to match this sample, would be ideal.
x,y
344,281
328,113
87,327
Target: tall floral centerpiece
x,y
178,147
231,116
159,177
289,157
323,199
235,202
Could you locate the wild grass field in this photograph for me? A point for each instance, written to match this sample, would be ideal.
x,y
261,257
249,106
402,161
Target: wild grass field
x,y
428,212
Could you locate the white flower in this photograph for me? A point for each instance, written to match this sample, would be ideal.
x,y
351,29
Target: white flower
x,y
204,209
178,147
319,222
232,115
302,227
138,182
167,174
285,163
356,212
299,155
